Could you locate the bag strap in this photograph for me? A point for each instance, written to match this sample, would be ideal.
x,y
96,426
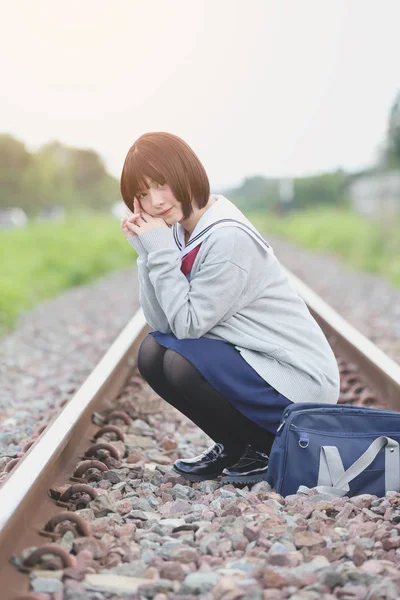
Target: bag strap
x,y
334,480
330,467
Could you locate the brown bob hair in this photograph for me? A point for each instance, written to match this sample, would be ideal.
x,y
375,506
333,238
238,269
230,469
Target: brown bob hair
x,y
165,158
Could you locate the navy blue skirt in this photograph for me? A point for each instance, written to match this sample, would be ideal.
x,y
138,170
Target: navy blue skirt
x,y
222,365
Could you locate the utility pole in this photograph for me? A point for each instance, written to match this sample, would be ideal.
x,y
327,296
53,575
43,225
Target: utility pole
x,y
286,194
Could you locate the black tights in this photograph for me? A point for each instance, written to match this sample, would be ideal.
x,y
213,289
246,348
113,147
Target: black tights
x,y
178,382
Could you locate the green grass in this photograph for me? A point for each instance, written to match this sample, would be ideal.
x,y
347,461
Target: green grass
x,y
43,259
367,245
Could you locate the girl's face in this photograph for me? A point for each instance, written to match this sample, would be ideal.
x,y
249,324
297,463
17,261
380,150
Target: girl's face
x,y
158,199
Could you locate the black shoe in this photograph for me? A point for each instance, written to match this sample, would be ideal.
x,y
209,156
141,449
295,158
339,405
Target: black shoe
x,y
208,465
250,468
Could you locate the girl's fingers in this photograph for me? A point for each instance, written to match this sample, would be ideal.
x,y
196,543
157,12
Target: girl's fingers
x,y
131,226
137,207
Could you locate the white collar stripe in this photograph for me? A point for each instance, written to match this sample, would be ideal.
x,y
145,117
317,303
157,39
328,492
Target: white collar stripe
x,y
222,213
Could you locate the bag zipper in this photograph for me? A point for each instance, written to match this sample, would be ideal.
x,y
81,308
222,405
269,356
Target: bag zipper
x,y
346,433
285,416
306,410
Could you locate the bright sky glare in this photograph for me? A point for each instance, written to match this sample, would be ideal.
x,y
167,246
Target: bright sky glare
x,y
269,87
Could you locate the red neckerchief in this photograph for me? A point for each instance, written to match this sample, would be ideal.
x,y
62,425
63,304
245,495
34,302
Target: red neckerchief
x,y
188,260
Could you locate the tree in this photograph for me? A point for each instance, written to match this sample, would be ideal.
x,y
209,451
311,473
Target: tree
x,y
55,174
392,154
15,160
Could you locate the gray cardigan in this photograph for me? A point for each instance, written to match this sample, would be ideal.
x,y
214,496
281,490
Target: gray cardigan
x,y
237,292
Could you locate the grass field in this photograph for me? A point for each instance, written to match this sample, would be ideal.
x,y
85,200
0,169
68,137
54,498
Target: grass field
x,y
41,260
371,246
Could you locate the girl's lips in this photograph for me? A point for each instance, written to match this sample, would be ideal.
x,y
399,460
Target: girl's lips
x,y
166,212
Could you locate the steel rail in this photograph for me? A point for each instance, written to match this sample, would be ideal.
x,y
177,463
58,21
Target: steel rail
x,y
24,501
380,372
25,505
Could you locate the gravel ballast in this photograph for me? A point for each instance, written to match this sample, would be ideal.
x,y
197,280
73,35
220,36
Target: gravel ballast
x,y
155,535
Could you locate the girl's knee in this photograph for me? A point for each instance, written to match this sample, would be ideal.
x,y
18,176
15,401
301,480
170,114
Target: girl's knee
x,y
178,370
150,354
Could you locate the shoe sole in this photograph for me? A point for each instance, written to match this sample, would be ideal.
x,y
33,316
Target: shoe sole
x,y
191,477
243,478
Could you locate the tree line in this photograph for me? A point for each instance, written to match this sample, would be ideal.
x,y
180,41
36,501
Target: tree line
x,y
76,178
54,174
260,193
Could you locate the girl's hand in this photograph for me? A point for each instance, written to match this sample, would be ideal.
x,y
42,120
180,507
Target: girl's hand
x,y
129,216
140,221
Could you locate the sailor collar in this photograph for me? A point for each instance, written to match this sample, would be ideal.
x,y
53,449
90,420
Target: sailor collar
x,y
222,213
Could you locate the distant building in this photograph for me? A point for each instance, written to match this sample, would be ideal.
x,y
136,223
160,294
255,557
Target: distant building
x,y
51,212
12,217
373,194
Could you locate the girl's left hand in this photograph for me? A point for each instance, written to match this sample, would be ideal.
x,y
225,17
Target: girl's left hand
x,y
142,221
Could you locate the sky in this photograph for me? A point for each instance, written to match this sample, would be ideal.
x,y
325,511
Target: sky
x,y
278,88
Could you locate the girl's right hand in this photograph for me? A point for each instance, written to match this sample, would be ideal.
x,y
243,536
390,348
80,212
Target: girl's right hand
x,y
132,218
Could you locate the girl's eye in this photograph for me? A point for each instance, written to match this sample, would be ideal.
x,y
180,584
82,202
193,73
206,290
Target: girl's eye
x,y
144,193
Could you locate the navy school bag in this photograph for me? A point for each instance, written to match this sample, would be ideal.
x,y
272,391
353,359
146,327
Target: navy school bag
x,y
337,449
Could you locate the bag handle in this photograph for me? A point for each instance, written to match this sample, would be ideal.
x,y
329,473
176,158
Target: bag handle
x,y
331,468
334,480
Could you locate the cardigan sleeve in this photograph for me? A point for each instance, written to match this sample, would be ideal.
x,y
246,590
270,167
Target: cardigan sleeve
x,y
135,242
152,310
193,308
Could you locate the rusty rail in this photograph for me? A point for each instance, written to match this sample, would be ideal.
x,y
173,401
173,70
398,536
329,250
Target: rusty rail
x,y
25,505
381,372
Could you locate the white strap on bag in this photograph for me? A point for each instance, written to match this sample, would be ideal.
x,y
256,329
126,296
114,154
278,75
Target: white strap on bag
x,y
334,481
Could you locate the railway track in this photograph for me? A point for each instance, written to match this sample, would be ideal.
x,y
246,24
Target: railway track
x,y
76,461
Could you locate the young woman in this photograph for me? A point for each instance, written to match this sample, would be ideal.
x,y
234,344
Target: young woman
x,y
232,344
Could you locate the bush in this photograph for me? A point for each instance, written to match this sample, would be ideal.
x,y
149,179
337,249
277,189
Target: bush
x,y
43,259
367,245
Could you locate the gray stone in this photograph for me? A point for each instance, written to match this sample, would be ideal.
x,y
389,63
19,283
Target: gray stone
x,y
261,486
227,494
200,583
208,486
141,427
159,586
47,586
147,556
278,547
180,492
6,437
243,565
114,476
165,549
86,513
291,521
11,450
132,569
172,523
67,540
113,583
102,505
363,542
138,514
140,504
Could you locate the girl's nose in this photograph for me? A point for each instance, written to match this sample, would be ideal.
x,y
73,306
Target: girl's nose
x,y
156,198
